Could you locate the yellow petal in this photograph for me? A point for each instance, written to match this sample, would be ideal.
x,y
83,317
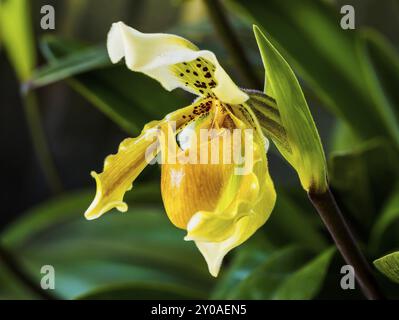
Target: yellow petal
x,y
121,169
244,206
239,231
235,201
173,61
214,252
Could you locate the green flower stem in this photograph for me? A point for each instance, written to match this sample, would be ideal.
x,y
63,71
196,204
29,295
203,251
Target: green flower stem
x,y
325,204
230,39
7,258
39,142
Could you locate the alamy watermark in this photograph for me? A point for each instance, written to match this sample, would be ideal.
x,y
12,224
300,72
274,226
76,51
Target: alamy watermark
x,y
348,18
348,280
203,146
47,281
47,21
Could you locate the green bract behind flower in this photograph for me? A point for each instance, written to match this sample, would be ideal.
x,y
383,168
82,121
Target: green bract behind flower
x,y
301,145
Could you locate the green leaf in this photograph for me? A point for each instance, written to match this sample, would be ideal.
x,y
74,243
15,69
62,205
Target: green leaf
x,y
17,36
129,99
380,64
309,35
389,215
142,291
290,273
306,153
307,281
75,63
114,250
389,265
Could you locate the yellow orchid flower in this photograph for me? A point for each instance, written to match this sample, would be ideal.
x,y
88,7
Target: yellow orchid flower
x,y
218,205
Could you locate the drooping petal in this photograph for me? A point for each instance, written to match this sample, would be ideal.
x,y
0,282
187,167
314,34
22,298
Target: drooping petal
x,y
121,169
244,206
173,61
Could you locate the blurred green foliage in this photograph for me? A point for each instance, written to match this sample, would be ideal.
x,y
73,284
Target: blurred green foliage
x,y
353,74
17,38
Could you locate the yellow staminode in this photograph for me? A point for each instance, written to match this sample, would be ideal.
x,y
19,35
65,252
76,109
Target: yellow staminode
x,y
219,207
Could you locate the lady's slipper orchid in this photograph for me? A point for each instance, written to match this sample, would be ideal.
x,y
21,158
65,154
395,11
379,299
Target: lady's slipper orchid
x,y
219,208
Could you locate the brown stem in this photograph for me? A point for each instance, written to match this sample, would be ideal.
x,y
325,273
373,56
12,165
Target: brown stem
x,y
230,39
345,241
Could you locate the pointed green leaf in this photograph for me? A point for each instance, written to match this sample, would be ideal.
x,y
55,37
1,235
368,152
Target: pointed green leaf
x,y
306,152
389,265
